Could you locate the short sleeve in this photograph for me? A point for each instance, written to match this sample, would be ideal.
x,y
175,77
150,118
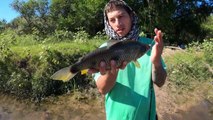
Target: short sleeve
x,y
96,76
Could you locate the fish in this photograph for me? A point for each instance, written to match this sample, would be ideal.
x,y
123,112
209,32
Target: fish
x,y
119,51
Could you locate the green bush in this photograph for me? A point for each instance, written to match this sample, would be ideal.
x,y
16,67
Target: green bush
x,y
186,73
208,51
30,76
27,64
192,66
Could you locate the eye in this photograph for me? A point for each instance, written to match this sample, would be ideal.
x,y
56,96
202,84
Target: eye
x,y
120,16
112,20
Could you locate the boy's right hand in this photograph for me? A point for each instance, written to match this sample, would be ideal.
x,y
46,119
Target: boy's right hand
x,y
102,68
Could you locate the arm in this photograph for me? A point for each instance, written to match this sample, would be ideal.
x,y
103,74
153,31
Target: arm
x,y
106,82
158,75
107,79
158,72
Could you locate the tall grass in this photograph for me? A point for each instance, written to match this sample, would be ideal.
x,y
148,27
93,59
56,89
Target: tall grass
x,y
191,70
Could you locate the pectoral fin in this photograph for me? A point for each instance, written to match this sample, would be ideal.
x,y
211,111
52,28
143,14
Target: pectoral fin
x,y
84,71
137,64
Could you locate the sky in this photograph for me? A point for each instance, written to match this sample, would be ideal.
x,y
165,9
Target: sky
x,y
6,11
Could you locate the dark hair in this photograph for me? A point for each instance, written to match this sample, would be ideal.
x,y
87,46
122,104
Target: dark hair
x,y
117,4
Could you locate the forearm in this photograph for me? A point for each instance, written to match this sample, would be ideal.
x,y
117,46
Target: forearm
x,y
105,83
158,75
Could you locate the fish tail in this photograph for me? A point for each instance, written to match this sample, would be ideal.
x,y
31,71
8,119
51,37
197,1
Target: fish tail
x,y
64,74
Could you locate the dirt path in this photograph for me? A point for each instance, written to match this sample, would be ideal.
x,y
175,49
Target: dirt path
x,y
192,108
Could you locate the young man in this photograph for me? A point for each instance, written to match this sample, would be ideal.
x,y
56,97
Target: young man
x,y
129,92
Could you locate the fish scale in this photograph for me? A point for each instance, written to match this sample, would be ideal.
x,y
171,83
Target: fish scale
x,y
119,51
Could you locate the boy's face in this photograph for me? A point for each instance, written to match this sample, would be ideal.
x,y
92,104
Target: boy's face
x,y
120,21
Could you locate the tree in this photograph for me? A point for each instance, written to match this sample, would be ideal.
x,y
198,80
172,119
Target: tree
x,y
3,23
208,26
34,15
74,14
179,19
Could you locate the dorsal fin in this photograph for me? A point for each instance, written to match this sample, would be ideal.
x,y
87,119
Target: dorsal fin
x,y
112,42
98,50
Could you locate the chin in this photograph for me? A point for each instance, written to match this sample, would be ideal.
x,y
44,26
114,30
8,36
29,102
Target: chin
x,y
121,35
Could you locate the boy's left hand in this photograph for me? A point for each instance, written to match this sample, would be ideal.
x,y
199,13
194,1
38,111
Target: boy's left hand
x,y
157,49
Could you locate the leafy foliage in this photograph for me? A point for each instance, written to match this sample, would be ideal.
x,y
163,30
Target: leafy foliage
x,y
208,26
180,20
208,48
74,14
193,66
2,25
26,69
34,16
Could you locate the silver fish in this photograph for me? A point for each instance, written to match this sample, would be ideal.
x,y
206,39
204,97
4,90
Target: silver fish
x,y
119,51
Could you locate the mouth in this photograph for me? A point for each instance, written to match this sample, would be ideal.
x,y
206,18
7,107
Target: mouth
x,y
120,30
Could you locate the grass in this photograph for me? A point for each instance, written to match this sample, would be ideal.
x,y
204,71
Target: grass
x,y
64,47
188,75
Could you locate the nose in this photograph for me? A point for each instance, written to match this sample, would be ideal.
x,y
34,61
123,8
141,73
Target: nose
x,y
118,22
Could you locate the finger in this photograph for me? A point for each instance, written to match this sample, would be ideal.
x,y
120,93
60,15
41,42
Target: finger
x,y
91,71
156,30
102,68
113,66
159,34
124,65
160,37
156,39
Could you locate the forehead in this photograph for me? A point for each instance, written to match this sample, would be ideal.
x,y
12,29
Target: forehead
x,y
116,12
112,7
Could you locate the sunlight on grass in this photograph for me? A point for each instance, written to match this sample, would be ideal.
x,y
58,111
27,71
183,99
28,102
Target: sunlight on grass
x,y
64,47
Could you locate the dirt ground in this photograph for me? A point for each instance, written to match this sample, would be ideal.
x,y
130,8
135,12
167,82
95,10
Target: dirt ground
x,y
191,108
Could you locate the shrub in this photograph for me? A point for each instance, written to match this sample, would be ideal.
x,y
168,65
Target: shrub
x,y
207,49
191,66
26,63
29,76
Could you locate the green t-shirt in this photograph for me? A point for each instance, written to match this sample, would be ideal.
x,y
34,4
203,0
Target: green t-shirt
x,y
132,97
